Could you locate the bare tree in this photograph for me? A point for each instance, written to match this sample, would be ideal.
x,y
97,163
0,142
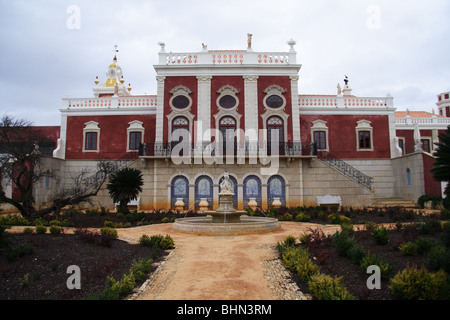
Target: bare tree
x,y
21,163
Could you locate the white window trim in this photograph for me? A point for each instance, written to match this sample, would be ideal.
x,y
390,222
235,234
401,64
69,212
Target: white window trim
x,y
430,142
135,126
91,126
227,90
177,113
180,91
364,125
274,90
320,125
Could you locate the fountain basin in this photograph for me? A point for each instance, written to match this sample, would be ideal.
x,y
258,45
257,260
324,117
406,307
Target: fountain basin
x,y
206,226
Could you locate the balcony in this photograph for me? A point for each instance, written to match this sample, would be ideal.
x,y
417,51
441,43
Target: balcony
x,y
208,149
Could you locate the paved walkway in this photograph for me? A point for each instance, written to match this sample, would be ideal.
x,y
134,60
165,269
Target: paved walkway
x,y
221,268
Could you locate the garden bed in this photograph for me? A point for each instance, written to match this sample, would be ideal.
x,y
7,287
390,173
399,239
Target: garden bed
x,y
324,253
41,274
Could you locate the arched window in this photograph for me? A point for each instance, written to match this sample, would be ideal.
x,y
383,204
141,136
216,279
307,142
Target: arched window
x,y
276,189
252,189
275,135
180,189
227,128
204,189
180,130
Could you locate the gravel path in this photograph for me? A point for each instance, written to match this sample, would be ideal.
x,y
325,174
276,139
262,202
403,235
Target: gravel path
x,y
221,268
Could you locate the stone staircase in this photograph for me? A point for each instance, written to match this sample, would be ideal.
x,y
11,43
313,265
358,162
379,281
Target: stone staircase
x,y
393,202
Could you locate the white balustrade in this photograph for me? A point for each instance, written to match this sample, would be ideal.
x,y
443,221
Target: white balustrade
x,y
110,102
227,57
344,102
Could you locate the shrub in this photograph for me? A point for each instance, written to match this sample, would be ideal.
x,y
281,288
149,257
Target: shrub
x,y
289,241
412,284
348,227
306,268
141,268
356,253
430,227
302,217
373,259
109,232
13,253
380,235
438,258
408,248
343,242
423,245
157,241
13,220
335,218
324,287
55,227
446,234
28,230
41,229
292,255
370,226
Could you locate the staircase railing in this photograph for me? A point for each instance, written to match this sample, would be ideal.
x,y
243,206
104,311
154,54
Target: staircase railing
x,y
346,169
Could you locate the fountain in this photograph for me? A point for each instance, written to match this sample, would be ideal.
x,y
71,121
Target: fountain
x,y
226,220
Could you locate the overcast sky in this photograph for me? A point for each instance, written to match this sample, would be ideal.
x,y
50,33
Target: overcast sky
x,y
48,50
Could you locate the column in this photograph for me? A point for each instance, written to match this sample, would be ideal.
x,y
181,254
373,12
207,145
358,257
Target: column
x,y
159,133
295,109
240,202
251,102
204,108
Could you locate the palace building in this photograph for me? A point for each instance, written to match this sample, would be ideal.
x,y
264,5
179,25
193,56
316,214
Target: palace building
x,y
241,112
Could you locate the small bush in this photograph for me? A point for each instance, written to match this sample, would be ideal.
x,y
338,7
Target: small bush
x,y
438,258
380,235
413,283
55,227
373,259
356,253
306,268
41,229
13,253
324,287
109,232
424,245
28,230
343,242
335,218
157,241
302,217
408,248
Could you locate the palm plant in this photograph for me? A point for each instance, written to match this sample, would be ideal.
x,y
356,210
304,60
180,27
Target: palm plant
x,y
441,169
124,186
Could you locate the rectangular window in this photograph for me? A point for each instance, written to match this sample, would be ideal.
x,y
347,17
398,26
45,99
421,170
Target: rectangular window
x,y
364,140
320,139
426,145
135,140
91,141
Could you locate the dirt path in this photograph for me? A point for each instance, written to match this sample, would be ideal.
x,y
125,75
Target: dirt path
x,y
215,268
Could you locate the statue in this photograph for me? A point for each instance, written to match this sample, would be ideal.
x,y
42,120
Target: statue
x,y
249,41
339,88
346,81
226,186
